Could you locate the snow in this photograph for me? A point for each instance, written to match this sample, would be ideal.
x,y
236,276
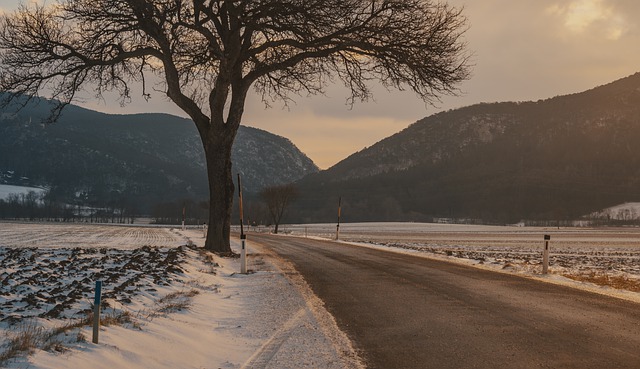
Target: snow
x,y
269,318
6,190
625,211
260,320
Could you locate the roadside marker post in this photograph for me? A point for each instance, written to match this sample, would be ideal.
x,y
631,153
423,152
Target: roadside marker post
x,y
545,255
243,254
96,311
243,237
184,213
338,226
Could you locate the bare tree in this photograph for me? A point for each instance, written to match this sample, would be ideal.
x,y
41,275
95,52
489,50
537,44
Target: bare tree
x,y
277,198
209,53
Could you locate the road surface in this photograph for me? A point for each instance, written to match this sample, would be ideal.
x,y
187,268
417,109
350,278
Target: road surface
x,y
403,311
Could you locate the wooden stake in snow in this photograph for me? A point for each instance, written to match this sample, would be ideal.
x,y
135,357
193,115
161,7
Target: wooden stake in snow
x,y
96,311
545,255
243,237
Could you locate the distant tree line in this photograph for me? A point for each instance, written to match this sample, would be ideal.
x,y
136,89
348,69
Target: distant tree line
x,y
172,212
51,206
34,206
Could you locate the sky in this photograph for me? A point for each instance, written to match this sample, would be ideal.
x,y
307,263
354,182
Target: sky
x,y
521,50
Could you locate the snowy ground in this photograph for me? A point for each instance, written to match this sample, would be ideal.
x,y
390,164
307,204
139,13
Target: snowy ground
x,y
175,306
6,190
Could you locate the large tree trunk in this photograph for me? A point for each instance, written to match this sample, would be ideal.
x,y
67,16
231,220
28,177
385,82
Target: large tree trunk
x,y
217,148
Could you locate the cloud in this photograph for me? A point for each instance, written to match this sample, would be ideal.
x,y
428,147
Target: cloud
x,y
581,15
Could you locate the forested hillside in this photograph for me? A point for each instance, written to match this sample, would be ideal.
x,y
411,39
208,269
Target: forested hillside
x,y
97,159
558,158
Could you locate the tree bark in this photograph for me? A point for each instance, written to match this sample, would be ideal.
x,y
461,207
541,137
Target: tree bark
x,y
217,148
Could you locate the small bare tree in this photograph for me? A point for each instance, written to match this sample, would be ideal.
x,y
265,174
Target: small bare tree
x,y
277,198
209,53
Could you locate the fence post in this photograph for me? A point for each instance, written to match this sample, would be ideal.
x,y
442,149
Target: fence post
x,y
96,311
545,255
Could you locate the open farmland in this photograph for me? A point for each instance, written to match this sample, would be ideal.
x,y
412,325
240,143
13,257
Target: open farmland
x,y
48,270
58,235
605,256
166,303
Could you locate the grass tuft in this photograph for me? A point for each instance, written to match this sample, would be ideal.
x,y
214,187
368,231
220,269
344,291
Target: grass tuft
x,y
601,279
24,341
176,301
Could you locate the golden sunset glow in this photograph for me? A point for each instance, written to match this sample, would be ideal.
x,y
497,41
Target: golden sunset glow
x,y
579,15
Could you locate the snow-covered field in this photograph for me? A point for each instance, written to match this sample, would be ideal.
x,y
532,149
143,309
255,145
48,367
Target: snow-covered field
x,y
607,257
70,235
6,190
167,304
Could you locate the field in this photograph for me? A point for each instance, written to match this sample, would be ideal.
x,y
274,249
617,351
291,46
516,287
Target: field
x,y
6,190
49,271
166,303
608,257
70,235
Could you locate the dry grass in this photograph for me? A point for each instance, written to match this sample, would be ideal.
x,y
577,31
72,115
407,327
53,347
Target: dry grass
x,y
176,301
29,336
601,279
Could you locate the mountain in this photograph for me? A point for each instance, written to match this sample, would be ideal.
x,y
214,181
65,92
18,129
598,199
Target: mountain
x,y
557,158
89,157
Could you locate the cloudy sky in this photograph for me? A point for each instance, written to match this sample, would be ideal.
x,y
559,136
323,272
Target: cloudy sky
x,y
522,50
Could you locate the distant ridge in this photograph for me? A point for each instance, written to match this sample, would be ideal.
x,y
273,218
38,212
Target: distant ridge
x,y
557,158
91,158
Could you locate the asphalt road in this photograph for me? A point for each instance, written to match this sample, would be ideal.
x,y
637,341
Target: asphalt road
x,y
403,311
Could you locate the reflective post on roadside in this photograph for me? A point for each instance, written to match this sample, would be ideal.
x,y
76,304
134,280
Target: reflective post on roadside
x,y
243,237
339,211
545,255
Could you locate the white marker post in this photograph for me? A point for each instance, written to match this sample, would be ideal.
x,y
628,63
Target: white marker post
x,y
545,255
338,226
243,237
184,211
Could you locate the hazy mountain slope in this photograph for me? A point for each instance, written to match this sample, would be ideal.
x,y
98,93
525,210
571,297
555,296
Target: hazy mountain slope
x,y
555,158
94,157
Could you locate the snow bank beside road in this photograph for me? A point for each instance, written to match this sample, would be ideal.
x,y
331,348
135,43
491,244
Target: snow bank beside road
x,y
259,320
